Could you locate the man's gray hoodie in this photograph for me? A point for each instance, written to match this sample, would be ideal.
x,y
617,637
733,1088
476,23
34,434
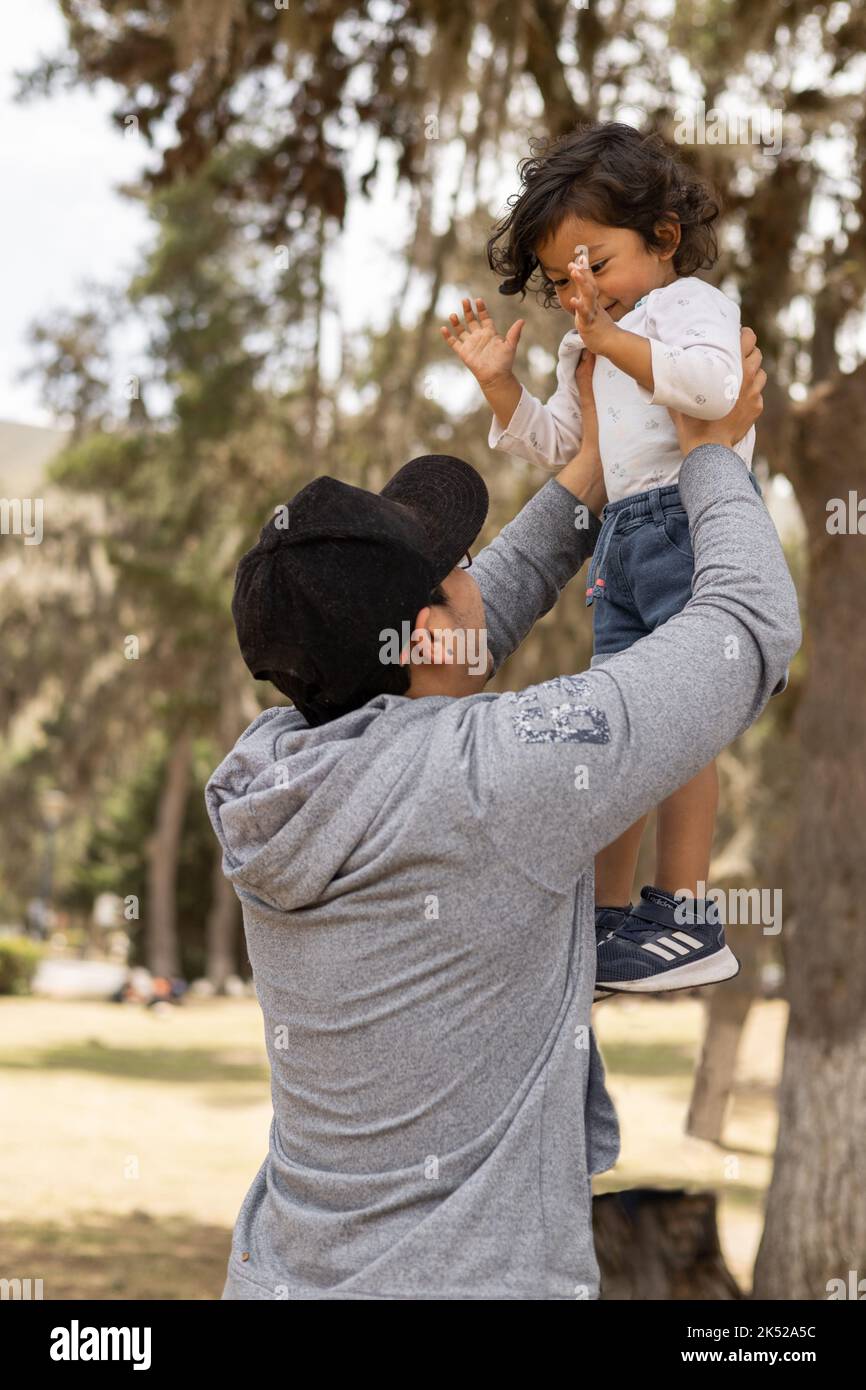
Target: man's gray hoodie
x,y
417,888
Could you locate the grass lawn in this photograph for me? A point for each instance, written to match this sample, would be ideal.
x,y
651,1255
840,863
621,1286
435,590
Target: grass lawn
x,y
130,1138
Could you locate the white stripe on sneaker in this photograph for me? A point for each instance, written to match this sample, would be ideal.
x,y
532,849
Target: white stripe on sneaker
x,y
689,940
657,951
674,946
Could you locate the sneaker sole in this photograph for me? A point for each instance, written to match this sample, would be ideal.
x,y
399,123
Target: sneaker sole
x,y
722,965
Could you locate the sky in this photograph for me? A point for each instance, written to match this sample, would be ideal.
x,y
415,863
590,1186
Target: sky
x,y
64,223
64,160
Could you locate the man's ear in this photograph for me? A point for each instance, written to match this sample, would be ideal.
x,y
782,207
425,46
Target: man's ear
x,y
420,639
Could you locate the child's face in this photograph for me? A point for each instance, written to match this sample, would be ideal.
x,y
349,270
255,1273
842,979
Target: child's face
x,y
623,268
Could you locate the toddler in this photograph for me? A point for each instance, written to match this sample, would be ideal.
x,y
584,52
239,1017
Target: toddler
x,y
613,226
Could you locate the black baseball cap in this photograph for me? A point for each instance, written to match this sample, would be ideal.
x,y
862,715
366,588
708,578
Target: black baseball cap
x,y
337,565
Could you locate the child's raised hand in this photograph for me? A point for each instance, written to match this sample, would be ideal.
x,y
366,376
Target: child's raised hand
x,y
592,322
489,357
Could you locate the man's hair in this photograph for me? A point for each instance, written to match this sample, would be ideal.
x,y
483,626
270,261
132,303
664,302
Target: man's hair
x,y
611,174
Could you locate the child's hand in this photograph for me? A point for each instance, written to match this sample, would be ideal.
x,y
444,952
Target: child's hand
x,y
489,357
592,322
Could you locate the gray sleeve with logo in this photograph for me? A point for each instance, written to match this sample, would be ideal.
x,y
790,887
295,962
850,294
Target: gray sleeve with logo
x,y
559,770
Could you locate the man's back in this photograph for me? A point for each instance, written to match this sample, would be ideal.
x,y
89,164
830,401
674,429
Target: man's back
x,y
430,1055
417,886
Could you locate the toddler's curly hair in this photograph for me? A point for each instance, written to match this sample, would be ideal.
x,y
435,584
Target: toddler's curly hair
x,y
613,175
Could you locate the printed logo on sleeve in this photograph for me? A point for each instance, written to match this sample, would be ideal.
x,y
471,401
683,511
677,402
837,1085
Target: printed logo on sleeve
x,y
558,712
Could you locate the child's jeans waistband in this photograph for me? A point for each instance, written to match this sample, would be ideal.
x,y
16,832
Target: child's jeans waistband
x,y
645,503
640,506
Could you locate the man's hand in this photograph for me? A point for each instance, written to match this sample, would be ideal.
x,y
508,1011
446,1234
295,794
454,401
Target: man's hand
x,y
583,475
736,425
489,357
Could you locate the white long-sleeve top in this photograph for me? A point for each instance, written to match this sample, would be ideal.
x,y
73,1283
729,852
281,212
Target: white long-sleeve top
x,y
694,335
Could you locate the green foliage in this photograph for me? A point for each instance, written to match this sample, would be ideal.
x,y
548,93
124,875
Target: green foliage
x,y
19,961
115,860
108,463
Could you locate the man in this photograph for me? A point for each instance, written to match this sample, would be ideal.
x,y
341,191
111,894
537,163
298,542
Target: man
x,y
414,857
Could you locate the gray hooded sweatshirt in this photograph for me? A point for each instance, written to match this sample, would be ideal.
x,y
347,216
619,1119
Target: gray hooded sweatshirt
x,y
417,888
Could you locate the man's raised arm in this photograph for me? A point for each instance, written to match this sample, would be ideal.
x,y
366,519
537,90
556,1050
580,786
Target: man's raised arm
x,y
522,573
578,759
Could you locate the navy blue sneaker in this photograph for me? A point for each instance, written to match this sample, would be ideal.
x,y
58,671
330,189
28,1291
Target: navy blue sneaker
x,y
607,919
654,949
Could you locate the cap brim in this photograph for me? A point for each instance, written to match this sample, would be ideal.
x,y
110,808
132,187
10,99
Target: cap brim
x,y
450,497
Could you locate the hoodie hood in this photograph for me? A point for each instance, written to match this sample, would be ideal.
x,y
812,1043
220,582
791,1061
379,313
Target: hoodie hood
x,y
291,802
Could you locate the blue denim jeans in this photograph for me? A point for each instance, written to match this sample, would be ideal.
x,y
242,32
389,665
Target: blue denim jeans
x,y
641,570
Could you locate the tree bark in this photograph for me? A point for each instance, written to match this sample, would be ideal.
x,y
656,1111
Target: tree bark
x,y
816,1214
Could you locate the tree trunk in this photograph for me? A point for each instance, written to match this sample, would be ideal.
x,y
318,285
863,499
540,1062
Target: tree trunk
x,y
726,1016
816,1213
222,924
728,1005
224,913
163,852
656,1244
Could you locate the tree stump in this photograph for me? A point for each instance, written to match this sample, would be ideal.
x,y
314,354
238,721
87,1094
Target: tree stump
x,y
656,1244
